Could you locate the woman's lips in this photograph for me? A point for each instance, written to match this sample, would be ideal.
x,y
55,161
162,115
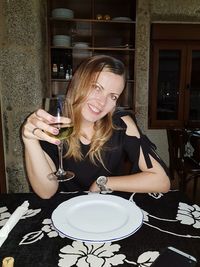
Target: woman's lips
x,y
94,109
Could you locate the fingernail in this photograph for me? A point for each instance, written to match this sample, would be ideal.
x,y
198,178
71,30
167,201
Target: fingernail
x,y
55,131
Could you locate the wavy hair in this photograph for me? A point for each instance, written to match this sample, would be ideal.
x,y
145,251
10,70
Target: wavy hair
x,y
79,88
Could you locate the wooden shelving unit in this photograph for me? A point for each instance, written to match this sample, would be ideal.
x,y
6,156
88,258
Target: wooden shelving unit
x,y
114,36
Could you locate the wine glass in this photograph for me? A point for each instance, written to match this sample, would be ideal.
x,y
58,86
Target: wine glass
x,y
60,107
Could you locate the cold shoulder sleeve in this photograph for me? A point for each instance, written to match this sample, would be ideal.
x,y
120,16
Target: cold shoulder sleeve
x,y
132,145
149,148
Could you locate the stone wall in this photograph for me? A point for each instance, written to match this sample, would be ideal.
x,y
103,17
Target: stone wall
x,y
23,68
22,76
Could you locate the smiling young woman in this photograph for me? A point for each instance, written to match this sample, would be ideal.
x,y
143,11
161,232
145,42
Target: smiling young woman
x,y
102,138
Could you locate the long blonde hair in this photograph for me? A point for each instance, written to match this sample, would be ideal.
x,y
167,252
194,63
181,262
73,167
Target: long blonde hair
x,y
86,74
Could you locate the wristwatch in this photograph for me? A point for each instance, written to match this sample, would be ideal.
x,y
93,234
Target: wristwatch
x,y
101,183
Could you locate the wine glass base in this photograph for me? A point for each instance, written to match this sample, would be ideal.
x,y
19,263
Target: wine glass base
x,y
61,177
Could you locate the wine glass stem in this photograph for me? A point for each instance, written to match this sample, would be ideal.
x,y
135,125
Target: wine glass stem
x,y
60,155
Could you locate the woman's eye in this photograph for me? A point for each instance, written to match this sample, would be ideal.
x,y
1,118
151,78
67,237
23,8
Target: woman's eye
x,y
114,97
97,88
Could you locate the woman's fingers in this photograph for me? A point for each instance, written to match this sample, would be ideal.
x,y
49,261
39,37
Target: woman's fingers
x,y
43,135
41,114
40,126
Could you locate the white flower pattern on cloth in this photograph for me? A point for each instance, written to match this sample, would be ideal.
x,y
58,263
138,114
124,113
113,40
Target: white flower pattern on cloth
x,y
156,195
49,229
31,213
186,214
147,258
189,215
90,255
145,216
4,215
82,254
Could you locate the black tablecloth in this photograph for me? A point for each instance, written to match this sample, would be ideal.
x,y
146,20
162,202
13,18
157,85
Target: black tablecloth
x,y
169,220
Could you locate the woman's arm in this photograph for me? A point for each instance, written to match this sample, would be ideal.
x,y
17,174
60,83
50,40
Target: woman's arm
x,y
149,180
38,166
38,163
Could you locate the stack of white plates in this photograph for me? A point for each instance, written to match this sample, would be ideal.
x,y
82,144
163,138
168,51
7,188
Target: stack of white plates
x,y
80,50
61,40
62,13
81,45
122,19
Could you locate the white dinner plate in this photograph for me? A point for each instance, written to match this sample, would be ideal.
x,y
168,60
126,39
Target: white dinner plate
x,y
97,218
122,19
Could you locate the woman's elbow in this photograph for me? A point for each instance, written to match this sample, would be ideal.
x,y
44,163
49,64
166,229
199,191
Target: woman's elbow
x,y
44,194
45,197
165,184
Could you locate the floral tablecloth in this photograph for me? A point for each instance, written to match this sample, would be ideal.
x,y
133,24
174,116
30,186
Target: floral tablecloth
x,y
169,220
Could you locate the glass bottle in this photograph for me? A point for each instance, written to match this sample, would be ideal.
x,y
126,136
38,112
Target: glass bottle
x,y
61,74
54,71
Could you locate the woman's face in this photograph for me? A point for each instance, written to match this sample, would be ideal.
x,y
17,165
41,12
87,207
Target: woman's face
x,y
103,96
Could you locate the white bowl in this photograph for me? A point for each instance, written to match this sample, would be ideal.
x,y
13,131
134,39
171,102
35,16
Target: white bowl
x,y
81,45
122,19
62,13
61,40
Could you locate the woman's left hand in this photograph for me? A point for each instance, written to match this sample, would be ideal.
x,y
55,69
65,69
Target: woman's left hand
x,y
94,187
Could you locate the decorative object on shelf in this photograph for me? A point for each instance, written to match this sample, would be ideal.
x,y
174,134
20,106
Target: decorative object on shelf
x,y
99,17
61,40
103,17
63,13
106,17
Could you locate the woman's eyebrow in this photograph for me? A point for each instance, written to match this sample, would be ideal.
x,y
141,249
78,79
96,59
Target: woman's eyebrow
x,y
98,84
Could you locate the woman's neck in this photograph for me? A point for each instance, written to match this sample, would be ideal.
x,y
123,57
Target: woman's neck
x,y
86,132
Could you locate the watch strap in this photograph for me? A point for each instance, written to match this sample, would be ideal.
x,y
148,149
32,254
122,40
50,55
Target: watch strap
x,y
102,186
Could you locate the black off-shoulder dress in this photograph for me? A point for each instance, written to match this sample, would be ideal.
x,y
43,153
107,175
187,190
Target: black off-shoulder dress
x,y
118,148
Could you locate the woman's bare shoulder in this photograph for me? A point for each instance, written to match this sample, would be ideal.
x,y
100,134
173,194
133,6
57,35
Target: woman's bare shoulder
x,y
132,129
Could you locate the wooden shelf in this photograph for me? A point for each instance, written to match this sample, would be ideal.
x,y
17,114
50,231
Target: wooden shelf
x,y
109,37
93,20
95,48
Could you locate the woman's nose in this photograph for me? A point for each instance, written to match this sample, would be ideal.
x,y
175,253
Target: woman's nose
x,y
102,98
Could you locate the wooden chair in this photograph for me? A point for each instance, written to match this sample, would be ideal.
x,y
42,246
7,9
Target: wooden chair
x,y
195,142
180,164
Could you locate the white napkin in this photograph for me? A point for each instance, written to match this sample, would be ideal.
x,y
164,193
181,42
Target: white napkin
x,y
12,221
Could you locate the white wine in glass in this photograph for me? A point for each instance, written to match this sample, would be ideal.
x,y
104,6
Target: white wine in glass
x,y
60,107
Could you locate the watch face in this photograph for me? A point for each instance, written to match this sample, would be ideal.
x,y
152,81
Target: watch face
x,y
102,180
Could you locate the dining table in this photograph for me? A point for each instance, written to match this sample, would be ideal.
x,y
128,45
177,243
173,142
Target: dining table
x,y
168,219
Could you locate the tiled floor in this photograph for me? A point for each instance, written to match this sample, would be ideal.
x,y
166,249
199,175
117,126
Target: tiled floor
x,y
174,184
